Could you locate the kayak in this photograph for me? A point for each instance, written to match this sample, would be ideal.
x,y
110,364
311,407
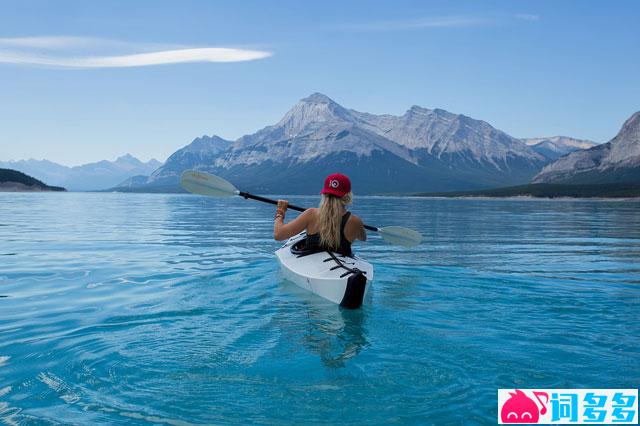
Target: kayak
x,y
340,279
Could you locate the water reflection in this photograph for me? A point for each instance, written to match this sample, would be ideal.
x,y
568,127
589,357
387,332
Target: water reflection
x,y
335,334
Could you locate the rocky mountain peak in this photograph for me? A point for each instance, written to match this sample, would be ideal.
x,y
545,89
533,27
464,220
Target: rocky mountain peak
x,y
560,141
418,113
127,159
625,147
310,113
632,125
318,98
417,109
206,143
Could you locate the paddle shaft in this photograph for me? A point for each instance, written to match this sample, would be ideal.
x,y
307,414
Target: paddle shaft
x,y
292,207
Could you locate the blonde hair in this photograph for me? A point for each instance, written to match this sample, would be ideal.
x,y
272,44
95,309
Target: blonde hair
x,y
330,218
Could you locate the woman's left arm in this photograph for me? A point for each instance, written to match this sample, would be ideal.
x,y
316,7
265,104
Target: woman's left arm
x,y
282,231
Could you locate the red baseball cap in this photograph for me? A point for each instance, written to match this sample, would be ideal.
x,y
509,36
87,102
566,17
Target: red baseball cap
x,y
336,184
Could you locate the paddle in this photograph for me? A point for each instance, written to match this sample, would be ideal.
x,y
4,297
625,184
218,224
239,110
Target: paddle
x,y
203,183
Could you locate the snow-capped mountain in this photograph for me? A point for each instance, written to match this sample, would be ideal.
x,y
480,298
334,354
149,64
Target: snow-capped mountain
x,y
615,161
555,147
203,150
87,177
440,133
422,150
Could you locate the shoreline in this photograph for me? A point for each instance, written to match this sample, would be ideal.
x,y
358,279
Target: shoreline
x,y
20,187
527,198
530,198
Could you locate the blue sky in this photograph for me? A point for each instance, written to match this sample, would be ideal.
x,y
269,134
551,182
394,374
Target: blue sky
x,y
82,81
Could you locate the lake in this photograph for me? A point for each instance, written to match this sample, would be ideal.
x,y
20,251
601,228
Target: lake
x,y
169,309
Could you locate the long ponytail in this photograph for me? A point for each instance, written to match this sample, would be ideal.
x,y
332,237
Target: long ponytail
x,y
330,218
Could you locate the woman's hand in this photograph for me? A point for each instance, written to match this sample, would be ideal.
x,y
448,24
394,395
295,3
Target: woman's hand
x,y
278,220
282,208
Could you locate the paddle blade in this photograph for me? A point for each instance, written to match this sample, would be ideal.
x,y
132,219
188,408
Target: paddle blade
x,y
400,236
204,183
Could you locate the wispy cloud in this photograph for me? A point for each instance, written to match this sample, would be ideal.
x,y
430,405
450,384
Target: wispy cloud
x,y
209,54
418,23
86,52
527,17
55,42
435,22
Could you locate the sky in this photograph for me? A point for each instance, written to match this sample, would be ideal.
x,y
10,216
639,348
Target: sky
x,y
83,81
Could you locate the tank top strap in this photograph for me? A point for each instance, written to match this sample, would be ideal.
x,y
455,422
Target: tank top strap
x,y
345,245
345,219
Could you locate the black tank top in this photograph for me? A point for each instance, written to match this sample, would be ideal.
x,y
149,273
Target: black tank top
x,y
313,240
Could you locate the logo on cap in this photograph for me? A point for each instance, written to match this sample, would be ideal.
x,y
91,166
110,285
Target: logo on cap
x,y
334,183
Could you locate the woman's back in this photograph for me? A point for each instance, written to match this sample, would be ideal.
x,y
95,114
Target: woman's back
x,y
313,236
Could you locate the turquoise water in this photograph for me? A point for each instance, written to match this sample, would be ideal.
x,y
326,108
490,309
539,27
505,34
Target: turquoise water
x,y
168,309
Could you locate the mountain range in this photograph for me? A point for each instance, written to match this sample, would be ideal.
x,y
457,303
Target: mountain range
x,y
613,162
421,150
555,147
88,177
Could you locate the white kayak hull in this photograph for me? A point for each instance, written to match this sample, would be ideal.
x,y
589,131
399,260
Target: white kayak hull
x,y
319,273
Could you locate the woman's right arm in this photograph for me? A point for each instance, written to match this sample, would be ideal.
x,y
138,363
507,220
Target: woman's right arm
x,y
282,231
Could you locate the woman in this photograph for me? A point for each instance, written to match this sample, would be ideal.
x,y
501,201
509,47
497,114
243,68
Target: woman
x,y
330,226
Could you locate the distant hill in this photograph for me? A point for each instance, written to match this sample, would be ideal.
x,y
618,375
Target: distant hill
x,y
546,190
421,150
88,177
555,147
15,181
616,161
133,182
